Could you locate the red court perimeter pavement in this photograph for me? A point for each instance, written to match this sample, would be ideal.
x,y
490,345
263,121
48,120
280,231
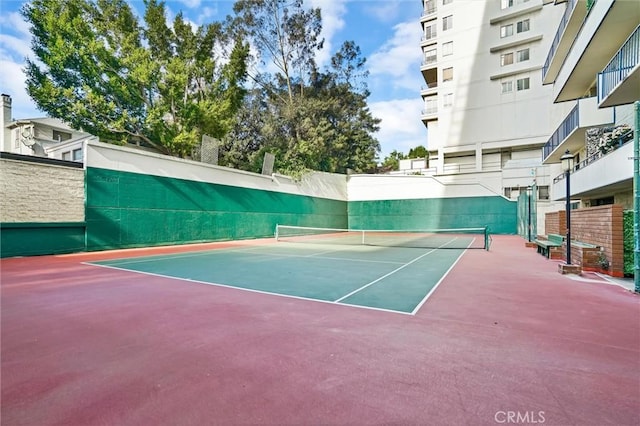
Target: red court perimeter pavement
x,y
505,339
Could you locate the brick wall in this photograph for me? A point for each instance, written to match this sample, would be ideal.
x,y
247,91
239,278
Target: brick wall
x,y
601,226
35,192
555,223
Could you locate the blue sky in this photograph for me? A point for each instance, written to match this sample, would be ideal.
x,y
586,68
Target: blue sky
x,y
387,31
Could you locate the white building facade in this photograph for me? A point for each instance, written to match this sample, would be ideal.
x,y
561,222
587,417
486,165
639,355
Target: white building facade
x,y
593,65
486,110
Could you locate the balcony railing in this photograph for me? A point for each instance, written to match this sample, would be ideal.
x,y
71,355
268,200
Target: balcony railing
x,y
428,10
620,66
432,59
562,132
571,5
619,143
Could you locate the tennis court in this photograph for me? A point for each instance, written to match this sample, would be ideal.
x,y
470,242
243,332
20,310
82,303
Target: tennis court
x,y
386,270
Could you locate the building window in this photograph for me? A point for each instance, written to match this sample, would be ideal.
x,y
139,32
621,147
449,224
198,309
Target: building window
x,y
447,100
447,74
523,26
506,31
447,48
66,155
543,193
507,192
507,86
504,4
61,136
522,55
446,2
522,83
447,23
77,154
506,59
430,32
430,56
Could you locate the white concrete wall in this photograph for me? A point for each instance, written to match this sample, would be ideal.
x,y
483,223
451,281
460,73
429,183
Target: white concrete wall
x,y
33,192
112,157
386,187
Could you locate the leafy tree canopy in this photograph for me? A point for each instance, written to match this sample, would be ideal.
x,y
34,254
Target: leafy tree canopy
x,y
418,152
308,118
392,161
102,71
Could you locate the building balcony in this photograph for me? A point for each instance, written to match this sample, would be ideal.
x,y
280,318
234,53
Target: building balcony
x,y
429,62
429,90
429,35
605,29
599,176
429,11
429,114
430,75
619,82
568,28
570,135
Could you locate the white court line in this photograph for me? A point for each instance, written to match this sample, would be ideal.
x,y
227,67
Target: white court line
x,y
290,296
392,272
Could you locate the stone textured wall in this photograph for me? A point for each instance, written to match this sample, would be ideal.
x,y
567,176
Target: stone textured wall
x,y
34,192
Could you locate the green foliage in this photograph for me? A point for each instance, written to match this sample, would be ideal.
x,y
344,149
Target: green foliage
x,y
102,71
392,161
418,152
628,242
309,119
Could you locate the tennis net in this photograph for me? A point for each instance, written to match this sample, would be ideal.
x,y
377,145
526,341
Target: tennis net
x,y
457,238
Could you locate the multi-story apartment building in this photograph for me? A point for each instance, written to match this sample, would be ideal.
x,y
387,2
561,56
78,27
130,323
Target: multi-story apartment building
x,y
593,65
486,110
43,137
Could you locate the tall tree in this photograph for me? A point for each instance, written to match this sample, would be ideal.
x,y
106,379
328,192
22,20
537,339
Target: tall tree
x,y
100,70
285,34
309,119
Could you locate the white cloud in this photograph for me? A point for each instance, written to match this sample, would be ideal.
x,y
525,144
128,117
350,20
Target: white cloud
x,y
399,58
15,46
16,23
191,4
401,128
386,11
13,84
333,12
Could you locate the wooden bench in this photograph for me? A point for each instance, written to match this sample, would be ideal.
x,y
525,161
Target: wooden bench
x,y
546,244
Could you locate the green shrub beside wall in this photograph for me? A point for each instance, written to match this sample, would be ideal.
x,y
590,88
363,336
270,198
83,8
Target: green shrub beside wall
x,y
627,230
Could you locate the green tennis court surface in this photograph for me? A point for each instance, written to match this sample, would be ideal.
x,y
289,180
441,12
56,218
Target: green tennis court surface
x,y
395,279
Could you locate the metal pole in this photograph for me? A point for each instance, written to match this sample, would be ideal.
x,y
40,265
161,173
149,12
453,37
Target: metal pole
x,y
636,197
529,192
568,207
